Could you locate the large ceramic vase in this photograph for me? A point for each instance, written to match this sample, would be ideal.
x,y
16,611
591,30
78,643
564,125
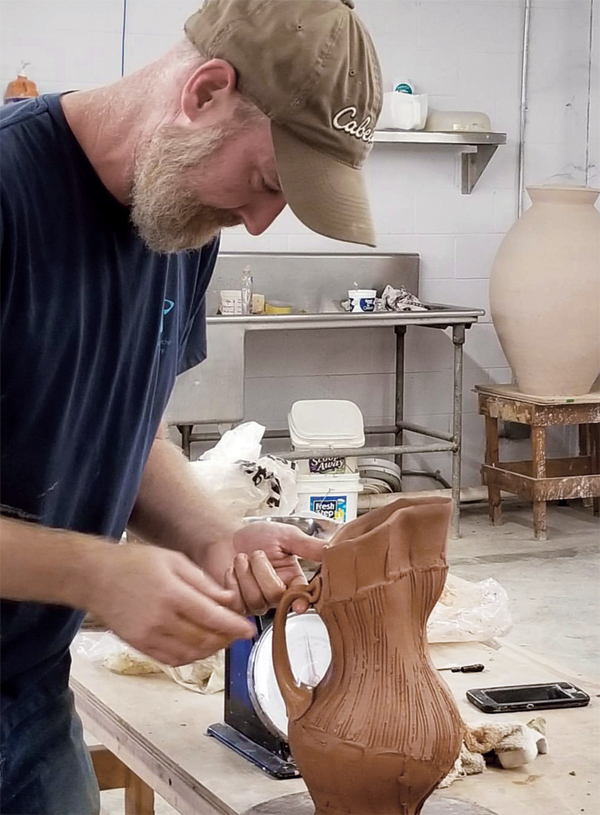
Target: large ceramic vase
x,y
381,729
545,293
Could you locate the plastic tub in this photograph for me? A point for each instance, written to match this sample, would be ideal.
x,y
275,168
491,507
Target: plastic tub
x,y
334,496
362,300
332,423
231,301
403,111
326,423
275,307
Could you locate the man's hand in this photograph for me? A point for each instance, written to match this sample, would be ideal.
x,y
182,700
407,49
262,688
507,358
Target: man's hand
x,y
164,605
172,512
266,564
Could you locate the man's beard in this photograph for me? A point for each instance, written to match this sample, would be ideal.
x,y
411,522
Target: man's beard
x,y
166,212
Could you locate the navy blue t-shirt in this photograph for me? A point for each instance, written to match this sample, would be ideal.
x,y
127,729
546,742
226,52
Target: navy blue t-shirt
x,y
94,329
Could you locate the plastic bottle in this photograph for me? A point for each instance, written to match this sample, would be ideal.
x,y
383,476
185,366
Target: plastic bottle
x,y
246,287
21,87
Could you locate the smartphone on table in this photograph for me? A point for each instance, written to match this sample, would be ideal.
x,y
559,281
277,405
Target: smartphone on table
x,y
512,698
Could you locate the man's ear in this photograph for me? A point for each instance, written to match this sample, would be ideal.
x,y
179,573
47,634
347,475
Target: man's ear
x,y
210,78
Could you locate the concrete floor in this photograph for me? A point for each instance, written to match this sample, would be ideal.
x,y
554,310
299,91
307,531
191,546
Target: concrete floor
x,y
553,586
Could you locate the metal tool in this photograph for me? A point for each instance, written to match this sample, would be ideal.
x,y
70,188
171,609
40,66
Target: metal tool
x,y
317,527
464,669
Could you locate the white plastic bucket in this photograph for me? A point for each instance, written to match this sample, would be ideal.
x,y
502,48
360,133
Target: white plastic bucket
x,y
362,300
335,496
330,465
326,423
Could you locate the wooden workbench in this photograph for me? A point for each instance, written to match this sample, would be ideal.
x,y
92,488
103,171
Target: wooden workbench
x,y
157,729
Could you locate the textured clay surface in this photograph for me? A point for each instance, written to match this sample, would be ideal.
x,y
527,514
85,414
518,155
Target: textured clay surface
x,y
381,729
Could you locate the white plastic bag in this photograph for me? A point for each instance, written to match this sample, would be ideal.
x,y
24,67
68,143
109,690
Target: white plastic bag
x,y
203,676
241,442
243,480
470,612
116,655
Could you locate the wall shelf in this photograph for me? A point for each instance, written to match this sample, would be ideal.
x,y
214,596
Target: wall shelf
x,y
476,149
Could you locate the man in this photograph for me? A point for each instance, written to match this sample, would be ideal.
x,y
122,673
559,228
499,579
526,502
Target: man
x,y
112,201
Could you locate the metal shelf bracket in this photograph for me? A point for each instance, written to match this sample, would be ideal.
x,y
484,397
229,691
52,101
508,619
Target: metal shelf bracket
x,y
476,148
473,161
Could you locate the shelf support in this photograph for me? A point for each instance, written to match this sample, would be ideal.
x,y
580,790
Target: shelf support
x,y
473,161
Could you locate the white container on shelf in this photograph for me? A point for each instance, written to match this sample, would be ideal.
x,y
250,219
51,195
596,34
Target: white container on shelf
x,y
458,121
333,424
362,299
403,111
231,301
335,496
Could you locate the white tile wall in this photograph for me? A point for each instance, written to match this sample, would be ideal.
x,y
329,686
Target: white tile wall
x,y
369,351
482,349
427,349
69,43
557,133
593,159
268,399
466,54
474,254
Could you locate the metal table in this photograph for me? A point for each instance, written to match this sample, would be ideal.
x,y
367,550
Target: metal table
x,y
307,280
440,317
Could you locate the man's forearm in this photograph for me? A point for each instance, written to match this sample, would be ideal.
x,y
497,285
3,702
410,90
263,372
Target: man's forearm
x,y
47,565
171,511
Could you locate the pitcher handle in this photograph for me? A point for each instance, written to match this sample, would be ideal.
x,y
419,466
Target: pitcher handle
x,y
297,697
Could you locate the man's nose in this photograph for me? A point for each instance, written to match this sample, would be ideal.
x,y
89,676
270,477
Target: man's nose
x,y
260,214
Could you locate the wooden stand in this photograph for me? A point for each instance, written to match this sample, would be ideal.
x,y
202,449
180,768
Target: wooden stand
x,y
541,479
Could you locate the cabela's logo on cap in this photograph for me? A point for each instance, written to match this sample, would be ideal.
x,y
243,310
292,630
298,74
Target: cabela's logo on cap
x,y
345,120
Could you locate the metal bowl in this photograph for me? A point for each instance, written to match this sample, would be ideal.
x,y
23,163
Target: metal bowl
x,y
322,528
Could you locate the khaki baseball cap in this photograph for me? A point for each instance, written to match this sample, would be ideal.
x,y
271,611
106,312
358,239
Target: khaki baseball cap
x,y
311,67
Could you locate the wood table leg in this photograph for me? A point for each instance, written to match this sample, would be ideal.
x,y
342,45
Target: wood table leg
x,y
112,774
585,450
538,440
594,450
139,797
492,458
584,439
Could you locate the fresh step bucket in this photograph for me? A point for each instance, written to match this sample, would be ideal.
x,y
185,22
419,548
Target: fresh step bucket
x,y
334,496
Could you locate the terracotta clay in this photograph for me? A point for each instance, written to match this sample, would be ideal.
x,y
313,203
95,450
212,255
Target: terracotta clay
x,y
381,729
545,293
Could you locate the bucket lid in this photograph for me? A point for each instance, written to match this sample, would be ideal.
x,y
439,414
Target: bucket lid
x,y
326,423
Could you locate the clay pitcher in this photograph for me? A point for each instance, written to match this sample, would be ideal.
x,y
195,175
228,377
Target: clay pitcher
x,y
381,729
545,293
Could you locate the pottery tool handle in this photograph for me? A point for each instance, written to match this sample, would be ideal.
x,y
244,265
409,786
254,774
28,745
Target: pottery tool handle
x,y
464,669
